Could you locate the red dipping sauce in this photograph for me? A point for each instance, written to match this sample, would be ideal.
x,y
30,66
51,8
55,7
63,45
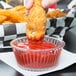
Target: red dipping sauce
x,y
36,55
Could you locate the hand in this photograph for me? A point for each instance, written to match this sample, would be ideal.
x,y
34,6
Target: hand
x,y
45,3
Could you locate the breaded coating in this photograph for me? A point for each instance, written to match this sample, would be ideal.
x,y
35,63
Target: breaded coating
x,y
36,26
55,14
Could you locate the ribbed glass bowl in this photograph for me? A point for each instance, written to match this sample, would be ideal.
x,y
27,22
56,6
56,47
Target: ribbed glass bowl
x,y
37,60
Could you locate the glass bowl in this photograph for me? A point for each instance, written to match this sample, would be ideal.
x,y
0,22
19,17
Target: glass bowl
x,y
40,59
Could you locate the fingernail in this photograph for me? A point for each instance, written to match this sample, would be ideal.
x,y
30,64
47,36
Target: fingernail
x,y
29,4
43,4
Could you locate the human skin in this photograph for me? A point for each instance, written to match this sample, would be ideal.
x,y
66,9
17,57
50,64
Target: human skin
x,y
44,3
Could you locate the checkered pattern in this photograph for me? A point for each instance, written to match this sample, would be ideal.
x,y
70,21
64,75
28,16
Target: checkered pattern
x,y
11,31
56,27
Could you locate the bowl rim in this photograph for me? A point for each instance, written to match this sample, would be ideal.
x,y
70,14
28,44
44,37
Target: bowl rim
x,y
52,49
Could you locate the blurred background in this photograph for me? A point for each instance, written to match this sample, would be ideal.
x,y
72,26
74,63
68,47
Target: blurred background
x,y
61,4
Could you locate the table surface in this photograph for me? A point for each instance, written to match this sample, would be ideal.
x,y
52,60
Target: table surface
x,y
6,70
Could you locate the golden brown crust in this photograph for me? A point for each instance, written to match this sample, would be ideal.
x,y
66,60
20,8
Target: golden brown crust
x,y
55,14
36,26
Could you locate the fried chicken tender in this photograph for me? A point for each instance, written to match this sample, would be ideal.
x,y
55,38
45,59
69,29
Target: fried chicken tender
x,y
55,14
36,26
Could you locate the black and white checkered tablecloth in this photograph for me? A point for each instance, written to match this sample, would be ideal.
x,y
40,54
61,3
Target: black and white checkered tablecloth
x,y
56,27
11,31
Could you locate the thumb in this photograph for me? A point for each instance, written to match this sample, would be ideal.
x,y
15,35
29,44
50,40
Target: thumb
x,y
29,4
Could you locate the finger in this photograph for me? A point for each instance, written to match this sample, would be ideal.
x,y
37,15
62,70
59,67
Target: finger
x,y
48,3
29,4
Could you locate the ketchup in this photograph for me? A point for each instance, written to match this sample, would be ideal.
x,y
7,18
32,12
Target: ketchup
x,y
37,55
